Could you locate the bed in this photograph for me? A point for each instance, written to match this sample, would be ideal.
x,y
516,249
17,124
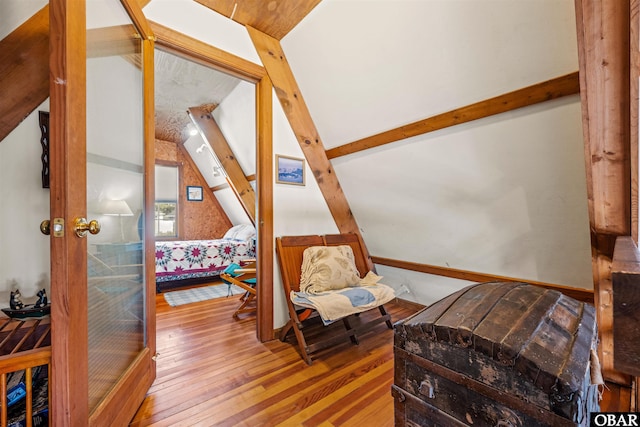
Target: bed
x,y
184,262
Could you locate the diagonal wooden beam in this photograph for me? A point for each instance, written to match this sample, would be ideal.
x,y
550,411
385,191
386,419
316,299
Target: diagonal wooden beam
x,y
24,71
279,71
541,92
202,53
236,178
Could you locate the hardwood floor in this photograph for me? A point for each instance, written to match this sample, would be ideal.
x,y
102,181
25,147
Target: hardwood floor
x,y
211,371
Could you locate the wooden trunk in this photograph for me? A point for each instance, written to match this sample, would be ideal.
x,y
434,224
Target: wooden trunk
x,y
499,353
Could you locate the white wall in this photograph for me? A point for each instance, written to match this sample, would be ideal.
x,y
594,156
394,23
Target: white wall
x,y
196,20
504,195
24,251
378,64
14,12
296,209
20,183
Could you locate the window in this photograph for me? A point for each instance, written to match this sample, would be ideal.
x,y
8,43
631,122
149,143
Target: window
x,y
166,203
165,219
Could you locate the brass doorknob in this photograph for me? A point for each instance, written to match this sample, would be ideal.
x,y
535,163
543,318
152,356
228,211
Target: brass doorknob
x,y
45,228
82,227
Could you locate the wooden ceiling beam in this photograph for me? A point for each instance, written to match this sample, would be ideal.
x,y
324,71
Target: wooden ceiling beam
x,y
236,178
540,92
202,53
24,71
297,113
275,18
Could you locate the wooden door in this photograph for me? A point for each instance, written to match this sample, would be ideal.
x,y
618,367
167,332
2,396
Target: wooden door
x,y
102,275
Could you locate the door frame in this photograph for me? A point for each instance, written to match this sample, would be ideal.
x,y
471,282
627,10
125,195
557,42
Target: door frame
x,y
197,51
69,387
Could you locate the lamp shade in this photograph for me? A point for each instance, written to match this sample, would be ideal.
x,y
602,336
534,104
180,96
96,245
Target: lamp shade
x,y
116,208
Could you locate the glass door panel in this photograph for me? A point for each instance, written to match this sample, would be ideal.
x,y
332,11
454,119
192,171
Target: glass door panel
x,y
115,196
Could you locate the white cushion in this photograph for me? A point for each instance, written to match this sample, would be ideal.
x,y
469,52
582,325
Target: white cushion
x,y
242,232
327,268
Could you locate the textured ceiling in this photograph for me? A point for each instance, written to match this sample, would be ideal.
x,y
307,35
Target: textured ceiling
x,y
180,84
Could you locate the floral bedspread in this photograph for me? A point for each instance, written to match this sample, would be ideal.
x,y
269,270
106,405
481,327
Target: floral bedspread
x,y
176,260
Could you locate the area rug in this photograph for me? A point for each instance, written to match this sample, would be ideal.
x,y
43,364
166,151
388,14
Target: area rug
x,y
188,296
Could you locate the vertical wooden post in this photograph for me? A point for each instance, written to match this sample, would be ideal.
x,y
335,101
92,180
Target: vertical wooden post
x,y
264,184
69,336
634,54
603,51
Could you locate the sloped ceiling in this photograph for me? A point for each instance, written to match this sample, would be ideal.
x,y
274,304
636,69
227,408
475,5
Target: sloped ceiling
x,y
273,17
181,84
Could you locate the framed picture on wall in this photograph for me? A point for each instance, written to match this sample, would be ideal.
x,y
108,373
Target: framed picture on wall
x,y
194,193
290,170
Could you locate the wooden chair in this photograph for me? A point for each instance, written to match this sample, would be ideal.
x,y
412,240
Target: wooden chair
x,y
290,253
245,278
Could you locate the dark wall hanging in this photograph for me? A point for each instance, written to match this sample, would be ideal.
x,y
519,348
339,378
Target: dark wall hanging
x,y
44,141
